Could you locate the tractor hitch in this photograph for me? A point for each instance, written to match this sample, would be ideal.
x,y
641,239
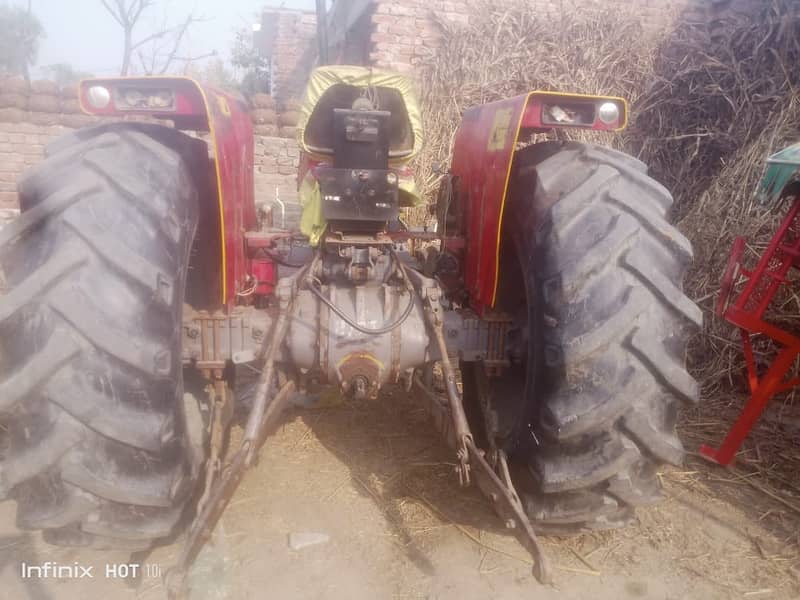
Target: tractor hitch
x,y
263,415
492,475
220,495
500,492
507,504
449,415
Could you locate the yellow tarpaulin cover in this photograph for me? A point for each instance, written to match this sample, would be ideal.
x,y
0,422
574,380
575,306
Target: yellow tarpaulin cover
x,y
322,78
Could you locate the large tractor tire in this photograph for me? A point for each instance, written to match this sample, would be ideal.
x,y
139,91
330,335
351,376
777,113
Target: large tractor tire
x,y
605,324
96,451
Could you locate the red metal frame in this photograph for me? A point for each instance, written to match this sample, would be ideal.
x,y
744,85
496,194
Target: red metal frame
x,y
747,313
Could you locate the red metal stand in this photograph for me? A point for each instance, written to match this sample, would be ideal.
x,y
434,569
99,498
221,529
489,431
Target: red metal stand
x,y
747,313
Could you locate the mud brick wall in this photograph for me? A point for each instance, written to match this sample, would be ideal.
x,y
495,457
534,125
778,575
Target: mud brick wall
x,y
30,116
275,175
22,145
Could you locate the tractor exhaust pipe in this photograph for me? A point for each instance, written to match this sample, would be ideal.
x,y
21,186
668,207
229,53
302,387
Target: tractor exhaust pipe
x,y
322,32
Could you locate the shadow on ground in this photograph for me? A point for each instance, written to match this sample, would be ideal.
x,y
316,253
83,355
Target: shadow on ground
x,y
396,458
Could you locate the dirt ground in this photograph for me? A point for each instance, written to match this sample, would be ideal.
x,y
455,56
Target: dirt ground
x,y
375,478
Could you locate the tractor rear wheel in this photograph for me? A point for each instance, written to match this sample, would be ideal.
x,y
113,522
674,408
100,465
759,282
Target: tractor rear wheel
x,y
96,449
604,325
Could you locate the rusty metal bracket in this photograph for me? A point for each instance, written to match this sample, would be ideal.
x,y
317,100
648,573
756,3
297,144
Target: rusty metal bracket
x,y
218,499
501,492
221,404
264,413
286,293
463,435
507,504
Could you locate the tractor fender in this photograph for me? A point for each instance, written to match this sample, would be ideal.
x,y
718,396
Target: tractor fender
x,y
483,154
196,107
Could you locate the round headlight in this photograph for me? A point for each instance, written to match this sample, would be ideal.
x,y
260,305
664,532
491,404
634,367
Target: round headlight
x,y
608,113
98,96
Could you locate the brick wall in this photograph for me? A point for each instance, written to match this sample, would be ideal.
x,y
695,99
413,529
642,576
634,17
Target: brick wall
x,y
404,32
24,133
22,145
275,175
289,39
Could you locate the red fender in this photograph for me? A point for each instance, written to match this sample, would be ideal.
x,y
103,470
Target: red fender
x,y
482,157
193,106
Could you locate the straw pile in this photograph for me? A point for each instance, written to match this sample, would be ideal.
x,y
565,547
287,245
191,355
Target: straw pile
x,y
718,106
721,101
715,91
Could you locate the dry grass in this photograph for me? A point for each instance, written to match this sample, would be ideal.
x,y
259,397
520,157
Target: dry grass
x,y
714,92
717,107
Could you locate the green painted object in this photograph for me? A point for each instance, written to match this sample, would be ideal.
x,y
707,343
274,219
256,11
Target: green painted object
x,y
783,169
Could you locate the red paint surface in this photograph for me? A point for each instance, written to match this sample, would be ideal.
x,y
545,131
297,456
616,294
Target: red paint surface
x,y
483,174
232,137
263,269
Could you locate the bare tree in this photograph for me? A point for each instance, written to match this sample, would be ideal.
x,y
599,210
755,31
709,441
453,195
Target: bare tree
x,y
157,56
164,44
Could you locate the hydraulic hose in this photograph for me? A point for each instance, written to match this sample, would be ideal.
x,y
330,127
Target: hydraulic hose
x,y
355,325
366,330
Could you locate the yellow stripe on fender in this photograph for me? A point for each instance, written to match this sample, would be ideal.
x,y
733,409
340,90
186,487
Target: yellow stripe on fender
x,y
220,201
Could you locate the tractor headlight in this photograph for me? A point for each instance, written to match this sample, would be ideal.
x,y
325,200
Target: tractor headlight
x,y
98,96
608,113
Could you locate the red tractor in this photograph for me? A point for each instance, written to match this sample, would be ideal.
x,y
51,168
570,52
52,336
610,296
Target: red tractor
x,y
145,303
